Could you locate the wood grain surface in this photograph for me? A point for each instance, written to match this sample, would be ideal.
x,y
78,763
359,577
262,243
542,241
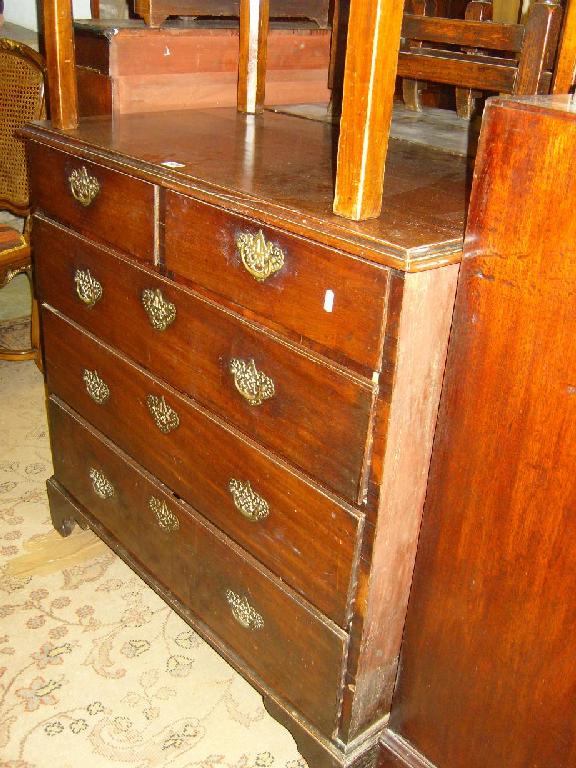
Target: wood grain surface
x,y
487,675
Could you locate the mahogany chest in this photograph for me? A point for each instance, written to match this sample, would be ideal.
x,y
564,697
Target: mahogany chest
x,y
243,389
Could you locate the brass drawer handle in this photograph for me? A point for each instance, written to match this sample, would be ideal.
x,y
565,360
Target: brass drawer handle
x,y
84,187
88,289
95,386
247,501
161,312
165,418
243,611
101,485
259,257
252,384
165,518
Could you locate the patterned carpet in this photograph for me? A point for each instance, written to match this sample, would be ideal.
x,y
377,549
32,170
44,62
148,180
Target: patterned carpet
x,y
95,670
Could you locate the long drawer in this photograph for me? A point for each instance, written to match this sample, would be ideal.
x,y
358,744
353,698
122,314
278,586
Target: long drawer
x,y
310,413
301,534
106,205
324,295
293,650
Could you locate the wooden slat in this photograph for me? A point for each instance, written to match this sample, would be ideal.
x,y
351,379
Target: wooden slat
x,y
60,61
464,71
538,53
565,75
475,34
254,20
369,83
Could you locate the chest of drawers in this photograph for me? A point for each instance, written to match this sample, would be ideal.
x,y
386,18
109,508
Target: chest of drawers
x,y
243,390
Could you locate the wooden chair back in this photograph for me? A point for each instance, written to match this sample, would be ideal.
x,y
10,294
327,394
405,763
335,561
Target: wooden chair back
x,y
22,100
483,55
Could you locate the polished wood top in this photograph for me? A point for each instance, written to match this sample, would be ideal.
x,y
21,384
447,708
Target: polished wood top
x,y
281,169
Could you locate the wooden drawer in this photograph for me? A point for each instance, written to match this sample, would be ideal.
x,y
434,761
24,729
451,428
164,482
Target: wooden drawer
x,y
121,213
201,246
291,648
306,537
317,417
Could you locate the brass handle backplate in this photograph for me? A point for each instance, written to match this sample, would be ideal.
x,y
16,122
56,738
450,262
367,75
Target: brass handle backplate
x,y
252,384
165,518
101,485
247,501
259,257
84,187
165,418
96,387
243,611
161,312
88,289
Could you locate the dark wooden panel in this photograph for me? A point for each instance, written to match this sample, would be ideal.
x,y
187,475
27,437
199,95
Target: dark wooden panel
x,y
293,650
201,246
92,50
487,674
307,538
316,417
155,11
94,92
121,213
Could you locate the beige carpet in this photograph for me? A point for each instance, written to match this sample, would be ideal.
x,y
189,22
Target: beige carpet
x,y
95,671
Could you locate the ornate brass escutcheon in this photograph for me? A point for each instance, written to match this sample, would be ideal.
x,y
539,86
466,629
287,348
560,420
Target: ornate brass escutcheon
x,y
243,611
161,312
88,289
84,187
165,418
95,386
247,501
260,257
252,384
165,518
101,485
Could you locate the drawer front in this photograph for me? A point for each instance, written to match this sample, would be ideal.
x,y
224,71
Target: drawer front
x,y
305,411
334,300
295,530
288,646
106,205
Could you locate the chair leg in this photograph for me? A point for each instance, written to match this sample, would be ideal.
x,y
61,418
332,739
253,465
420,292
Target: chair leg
x,y
35,336
32,353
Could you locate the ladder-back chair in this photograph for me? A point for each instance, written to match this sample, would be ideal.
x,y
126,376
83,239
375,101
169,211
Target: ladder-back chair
x,y
477,53
22,77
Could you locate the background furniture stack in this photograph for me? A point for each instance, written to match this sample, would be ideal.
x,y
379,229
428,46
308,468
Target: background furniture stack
x,y
128,67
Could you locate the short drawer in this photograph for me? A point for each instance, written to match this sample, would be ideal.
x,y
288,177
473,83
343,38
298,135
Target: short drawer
x,y
301,534
334,300
292,649
304,410
106,205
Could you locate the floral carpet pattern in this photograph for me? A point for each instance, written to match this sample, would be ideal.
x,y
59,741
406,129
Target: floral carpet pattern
x,y
95,670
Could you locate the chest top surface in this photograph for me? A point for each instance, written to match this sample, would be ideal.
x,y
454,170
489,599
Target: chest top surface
x,y
280,170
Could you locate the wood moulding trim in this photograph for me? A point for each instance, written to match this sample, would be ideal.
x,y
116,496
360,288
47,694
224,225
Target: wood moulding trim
x,y
397,752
